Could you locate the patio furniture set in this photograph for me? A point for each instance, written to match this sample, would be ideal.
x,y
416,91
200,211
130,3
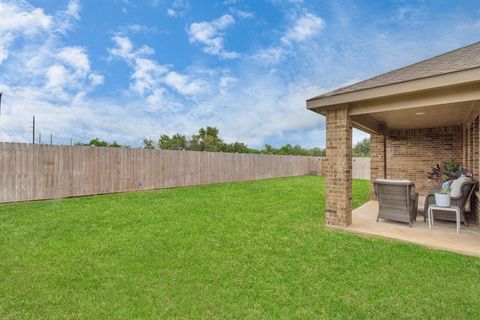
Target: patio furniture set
x,y
398,201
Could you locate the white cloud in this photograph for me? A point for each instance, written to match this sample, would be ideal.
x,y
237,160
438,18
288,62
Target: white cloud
x,y
41,76
22,18
146,76
44,62
241,13
5,43
18,19
171,12
149,76
160,101
71,69
123,48
73,9
185,85
178,8
65,19
137,28
210,35
76,57
96,79
57,76
272,55
157,97
304,28
409,15
227,81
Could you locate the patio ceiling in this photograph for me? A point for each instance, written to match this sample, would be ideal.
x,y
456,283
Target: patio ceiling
x,y
448,114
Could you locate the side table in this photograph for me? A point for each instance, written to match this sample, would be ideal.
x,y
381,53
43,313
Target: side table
x,y
451,208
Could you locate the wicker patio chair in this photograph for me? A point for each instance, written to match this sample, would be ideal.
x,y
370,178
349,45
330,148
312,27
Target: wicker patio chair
x,y
461,201
397,200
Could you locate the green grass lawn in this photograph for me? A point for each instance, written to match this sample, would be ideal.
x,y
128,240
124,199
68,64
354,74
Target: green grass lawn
x,y
241,250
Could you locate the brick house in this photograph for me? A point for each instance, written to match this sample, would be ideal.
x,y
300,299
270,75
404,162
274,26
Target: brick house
x,y
418,115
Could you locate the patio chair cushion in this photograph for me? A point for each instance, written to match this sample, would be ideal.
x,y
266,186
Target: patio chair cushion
x,y
395,182
456,186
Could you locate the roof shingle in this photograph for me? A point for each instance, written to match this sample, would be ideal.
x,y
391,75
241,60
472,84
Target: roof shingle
x,y
464,58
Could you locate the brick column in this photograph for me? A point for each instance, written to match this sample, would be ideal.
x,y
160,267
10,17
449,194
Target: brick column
x,y
377,158
338,168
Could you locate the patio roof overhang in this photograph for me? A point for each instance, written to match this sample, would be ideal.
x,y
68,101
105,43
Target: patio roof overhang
x,y
435,101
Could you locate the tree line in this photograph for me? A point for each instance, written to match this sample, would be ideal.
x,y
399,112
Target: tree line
x,y
208,139
101,143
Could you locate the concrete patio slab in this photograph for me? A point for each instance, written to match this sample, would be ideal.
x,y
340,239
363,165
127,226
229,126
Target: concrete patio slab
x,y
442,236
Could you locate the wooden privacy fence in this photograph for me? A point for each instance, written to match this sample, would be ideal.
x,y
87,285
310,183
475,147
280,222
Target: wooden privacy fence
x,y
35,172
361,168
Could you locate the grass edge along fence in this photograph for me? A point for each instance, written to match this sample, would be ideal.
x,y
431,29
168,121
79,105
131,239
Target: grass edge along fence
x,y
39,172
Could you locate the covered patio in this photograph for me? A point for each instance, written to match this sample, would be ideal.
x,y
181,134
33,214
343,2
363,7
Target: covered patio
x,y
442,236
417,116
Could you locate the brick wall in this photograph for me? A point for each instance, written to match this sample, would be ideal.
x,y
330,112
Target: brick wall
x,y
411,153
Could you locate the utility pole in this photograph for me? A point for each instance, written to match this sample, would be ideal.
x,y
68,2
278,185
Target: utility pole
x,y
1,94
51,139
33,131
39,138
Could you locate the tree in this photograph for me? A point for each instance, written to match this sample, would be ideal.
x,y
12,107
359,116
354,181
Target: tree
x,y
176,142
148,144
101,143
114,144
296,150
237,147
316,152
362,148
268,149
207,140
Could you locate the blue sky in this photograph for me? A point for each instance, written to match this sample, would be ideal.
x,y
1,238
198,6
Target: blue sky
x,y
124,70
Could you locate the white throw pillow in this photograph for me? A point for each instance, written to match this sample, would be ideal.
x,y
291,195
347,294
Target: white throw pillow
x,y
456,186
